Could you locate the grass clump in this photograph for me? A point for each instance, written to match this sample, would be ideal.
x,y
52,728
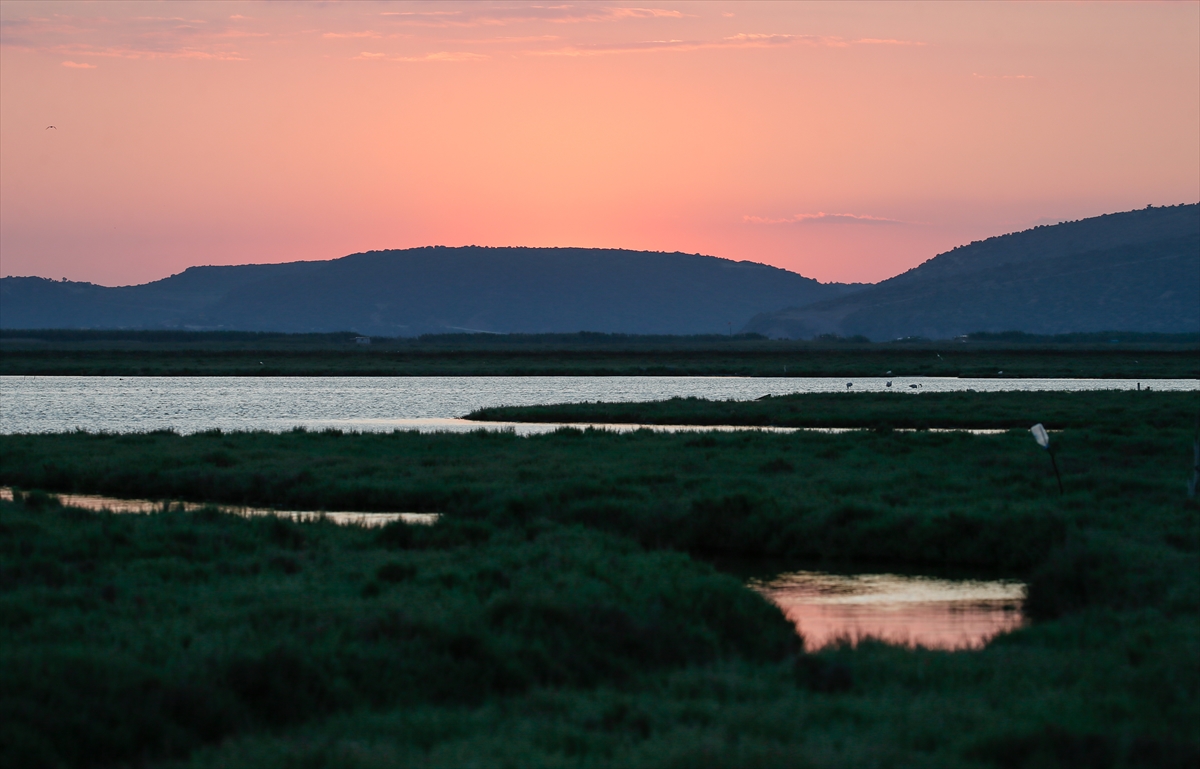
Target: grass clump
x,y
130,637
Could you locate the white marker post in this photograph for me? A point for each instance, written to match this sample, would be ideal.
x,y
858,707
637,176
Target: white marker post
x,y
1043,439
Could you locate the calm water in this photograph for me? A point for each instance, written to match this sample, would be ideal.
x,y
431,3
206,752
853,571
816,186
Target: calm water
x,y
192,404
117,505
900,609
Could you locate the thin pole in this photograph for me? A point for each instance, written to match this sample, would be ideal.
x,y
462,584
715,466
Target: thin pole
x,y
1195,482
1056,475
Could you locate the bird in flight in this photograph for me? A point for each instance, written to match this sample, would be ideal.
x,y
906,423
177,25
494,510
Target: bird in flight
x,y
50,126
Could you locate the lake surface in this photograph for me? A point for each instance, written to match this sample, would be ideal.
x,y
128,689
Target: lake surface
x,y
899,609
193,404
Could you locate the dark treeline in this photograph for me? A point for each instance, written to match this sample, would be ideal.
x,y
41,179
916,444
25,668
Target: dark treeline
x,y
175,338
170,353
1092,338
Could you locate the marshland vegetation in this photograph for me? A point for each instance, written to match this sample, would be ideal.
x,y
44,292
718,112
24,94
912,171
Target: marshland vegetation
x,y
562,611
1111,411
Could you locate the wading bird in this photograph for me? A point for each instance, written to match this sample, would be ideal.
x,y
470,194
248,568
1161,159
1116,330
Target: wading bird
x,y
1043,439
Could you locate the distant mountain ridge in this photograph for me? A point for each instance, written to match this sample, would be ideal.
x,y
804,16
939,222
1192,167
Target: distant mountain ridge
x,y
434,289
1132,271
1135,271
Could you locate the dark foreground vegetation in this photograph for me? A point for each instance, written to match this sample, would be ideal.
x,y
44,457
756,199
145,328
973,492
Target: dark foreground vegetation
x,y
561,612
182,353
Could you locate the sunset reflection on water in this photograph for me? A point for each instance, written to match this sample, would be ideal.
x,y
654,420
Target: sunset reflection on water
x,y
906,610
98,503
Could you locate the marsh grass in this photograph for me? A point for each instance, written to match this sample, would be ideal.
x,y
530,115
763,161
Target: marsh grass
x,y
544,620
1112,412
214,640
132,634
918,498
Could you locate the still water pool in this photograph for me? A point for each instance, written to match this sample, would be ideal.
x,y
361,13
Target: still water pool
x,y
193,404
899,609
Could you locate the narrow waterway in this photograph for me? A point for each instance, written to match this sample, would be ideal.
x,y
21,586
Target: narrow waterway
x,y
97,503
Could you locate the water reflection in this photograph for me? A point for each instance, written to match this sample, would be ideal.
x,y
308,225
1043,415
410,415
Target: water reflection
x,y
116,505
906,610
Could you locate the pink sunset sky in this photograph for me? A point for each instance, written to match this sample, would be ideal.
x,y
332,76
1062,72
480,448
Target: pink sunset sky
x,y
844,141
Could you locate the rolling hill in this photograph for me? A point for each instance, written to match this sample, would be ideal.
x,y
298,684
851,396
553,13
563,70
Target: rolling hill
x,y
432,290
1132,271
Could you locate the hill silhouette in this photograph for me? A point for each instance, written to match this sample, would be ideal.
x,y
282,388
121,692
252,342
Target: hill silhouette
x,y
1132,271
434,289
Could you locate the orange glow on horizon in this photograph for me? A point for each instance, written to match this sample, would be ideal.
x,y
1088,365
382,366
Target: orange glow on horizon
x,y
847,142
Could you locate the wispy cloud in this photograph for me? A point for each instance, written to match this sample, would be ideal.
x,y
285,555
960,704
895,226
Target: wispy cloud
x,y
78,65
640,13
886,41
485,16
978,76
1045,220
498,40
364,33
138,52
439,56
740,40
821,216
141,37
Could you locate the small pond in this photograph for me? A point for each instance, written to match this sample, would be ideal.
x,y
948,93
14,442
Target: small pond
x,y
908,610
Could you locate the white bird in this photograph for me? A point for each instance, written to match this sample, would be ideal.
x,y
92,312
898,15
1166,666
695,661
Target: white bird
x,y
50,126
1043,439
